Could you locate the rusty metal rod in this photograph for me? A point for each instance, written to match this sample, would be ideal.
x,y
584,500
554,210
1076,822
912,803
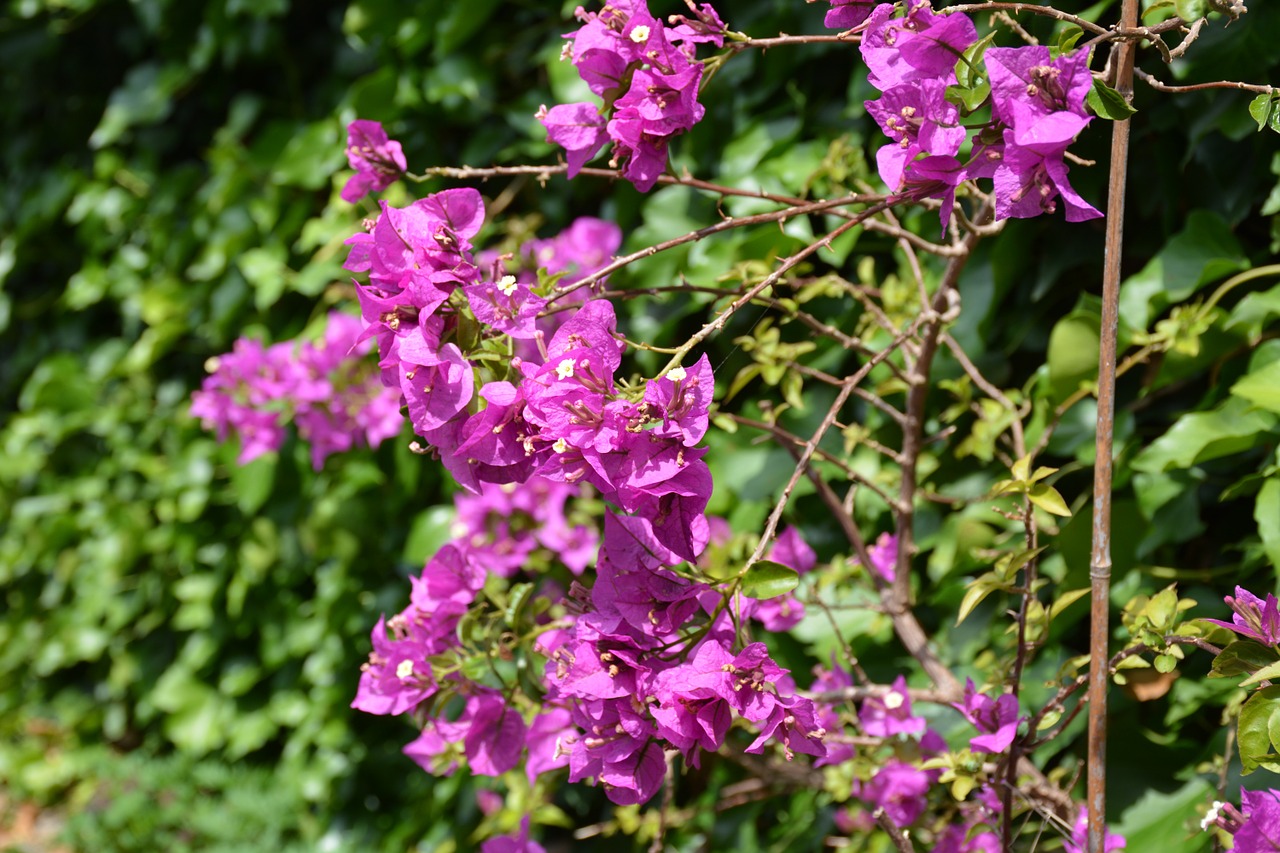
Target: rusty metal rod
x,y
1100,561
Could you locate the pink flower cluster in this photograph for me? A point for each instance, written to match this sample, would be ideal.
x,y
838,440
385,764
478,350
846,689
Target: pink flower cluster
x,y
900,785
647,77
646,660
328,389
499,530
559,415
1037,111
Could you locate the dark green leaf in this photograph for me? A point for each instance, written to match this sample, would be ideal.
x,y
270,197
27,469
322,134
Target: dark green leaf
x,y
1108,103
1255,727
1241,658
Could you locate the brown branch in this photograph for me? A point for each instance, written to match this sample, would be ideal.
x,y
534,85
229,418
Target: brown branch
x,y
1100,557
1200,87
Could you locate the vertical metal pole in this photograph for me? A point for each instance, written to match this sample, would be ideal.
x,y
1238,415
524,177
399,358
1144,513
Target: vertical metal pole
x,y
1100,562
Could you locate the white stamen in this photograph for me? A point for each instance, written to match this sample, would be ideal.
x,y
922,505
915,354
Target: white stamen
x,y
1212,816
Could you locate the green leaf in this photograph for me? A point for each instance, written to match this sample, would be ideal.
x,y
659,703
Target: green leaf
x,y
1267,513
1241,658
1261,387
1066,41
767,579
1073,354
1066,600
1108,103
1200,436
1270,672
1254,311
1047,498
520,594
1190,10
1166,663
980,589
1157,820
971,98
968,66
1261,109
1257,721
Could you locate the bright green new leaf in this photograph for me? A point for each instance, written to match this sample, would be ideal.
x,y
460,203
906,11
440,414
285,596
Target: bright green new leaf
x,y
1066,41
1047,498
980,589
767,579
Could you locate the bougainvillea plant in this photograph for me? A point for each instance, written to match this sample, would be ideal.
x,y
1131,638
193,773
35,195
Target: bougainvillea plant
x,y
589,619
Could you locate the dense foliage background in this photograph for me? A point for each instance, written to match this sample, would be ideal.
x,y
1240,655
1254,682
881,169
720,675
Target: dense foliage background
x,y
180,637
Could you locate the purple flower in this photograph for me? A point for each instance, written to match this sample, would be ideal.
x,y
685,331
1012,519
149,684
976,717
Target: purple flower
x,y
1027,77
1080,837
1256,830
890,715
827,680
1041,102
884,556
794,721
577,128
1253,617
1261,829
333,395
847,14
899,788
919,120
997,719
1029,179
919,46
378,161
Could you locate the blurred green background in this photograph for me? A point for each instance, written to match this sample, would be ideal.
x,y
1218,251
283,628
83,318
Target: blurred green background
x,y
180,637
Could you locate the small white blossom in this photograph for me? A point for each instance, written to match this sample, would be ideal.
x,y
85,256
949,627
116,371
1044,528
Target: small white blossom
x,y
675,374
640,34
404,670
507,285
564,370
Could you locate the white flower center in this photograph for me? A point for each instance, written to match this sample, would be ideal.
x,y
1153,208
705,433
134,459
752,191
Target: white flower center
x,y
564,370
404,670
640,34
675,374
893,701
560,446
507,285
